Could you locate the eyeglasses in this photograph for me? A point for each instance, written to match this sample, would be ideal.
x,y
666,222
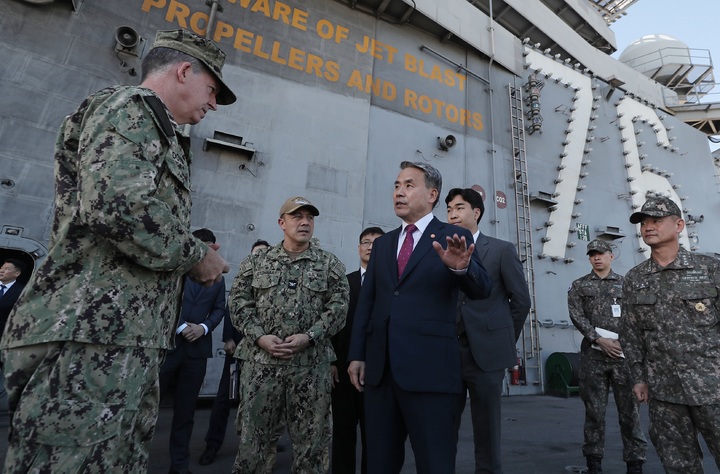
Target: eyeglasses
x,y
366,243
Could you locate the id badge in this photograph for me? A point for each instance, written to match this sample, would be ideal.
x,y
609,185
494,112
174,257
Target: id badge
x,y
615,310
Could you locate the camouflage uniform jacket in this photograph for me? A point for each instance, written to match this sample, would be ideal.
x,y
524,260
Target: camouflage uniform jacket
x,y
120,240
671,335
590,300
275,295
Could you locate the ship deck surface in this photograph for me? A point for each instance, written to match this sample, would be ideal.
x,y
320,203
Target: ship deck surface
x,y
541,435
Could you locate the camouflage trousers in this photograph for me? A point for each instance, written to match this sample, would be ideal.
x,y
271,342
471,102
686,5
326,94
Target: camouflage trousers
x,y
80,408
298,394
596,378
674,429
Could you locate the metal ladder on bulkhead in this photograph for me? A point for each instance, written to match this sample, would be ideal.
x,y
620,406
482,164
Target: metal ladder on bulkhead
x,y
530,356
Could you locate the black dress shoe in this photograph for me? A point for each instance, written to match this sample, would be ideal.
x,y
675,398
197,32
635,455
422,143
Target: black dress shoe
x,y
208,456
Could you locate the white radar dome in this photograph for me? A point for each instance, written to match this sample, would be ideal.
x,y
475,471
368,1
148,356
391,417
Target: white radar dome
x,y
657,56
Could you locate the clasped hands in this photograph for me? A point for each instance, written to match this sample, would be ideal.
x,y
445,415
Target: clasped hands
x,y
283,349
193,332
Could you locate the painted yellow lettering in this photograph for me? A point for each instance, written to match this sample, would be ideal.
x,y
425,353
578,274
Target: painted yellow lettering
x,y
452,113
199,22
178,12
299,20
314,65
148,4
436,74
461,79
223,30
296,59
257,49
410,63
332,71
389,91
341,33
411,99
477,121
391,51
439,105
421,69
262,6
282,11
243,40
365,46
275,54
425,104
464,117
324,29
355,81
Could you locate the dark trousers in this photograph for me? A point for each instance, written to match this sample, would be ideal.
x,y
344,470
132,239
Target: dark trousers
x,y
430,419
347,411
221,408
485,403
188,375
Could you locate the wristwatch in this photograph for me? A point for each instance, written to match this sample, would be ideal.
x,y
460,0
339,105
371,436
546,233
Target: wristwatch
x,y
311,338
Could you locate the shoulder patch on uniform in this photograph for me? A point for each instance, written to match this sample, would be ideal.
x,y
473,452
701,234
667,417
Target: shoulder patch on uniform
x,y
337,268
161,115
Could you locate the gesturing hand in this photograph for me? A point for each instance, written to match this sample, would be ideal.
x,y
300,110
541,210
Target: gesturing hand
x,y
457,254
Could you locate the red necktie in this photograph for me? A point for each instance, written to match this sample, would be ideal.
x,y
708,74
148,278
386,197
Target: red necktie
x,y
406,249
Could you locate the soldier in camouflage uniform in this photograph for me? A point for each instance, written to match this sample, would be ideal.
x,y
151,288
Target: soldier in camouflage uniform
x,y
594,302
83,346
288,302
671,339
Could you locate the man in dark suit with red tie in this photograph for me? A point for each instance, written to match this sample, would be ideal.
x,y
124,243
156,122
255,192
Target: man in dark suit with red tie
x,y
404,350
347,402
489,328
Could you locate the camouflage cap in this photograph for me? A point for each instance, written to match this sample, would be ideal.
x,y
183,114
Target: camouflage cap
x,y
295,203
202,49
656,207
598,245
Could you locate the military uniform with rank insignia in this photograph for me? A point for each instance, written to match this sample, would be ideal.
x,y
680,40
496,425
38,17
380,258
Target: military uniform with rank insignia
x,y
296,299
594,304
83,346
671,338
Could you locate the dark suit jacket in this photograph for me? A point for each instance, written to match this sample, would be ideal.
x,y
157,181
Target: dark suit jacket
x,y
341,340
414,316
493,324
201,305
7,301
230,333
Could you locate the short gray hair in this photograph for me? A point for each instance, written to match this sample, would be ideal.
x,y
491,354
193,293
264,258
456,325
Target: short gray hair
x,y
433,178
158,59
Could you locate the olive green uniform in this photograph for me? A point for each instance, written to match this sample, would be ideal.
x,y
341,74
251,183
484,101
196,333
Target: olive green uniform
x,y
82,347
275,295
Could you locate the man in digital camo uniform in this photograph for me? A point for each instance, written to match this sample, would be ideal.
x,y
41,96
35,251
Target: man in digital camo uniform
x,y
594,302
288,302
83,346
671,339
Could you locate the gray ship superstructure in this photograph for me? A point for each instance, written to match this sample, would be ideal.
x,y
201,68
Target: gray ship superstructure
x,y
517,98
